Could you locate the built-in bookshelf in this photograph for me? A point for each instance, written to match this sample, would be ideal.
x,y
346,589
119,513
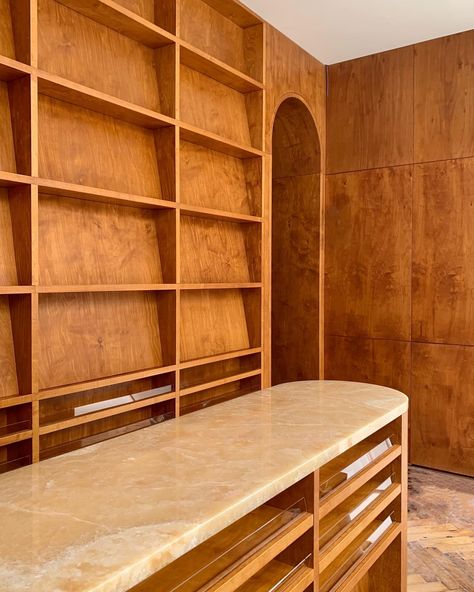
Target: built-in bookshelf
x,y
131,213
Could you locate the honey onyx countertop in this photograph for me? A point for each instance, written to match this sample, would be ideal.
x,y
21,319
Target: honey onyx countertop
x,y
106,517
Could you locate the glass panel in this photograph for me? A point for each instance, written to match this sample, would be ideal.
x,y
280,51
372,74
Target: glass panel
x,y
350,463
354,553
352,507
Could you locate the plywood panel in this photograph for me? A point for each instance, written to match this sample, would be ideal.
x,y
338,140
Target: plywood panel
x,y
213,322
216,180
292,71
215,251
7,46
443,271
442,407
87,336
444,98
8,383
376,361
368,253
81,146
84,242
7,149
370,112
79,49
295,277
8,274
212,106
212,32
144,8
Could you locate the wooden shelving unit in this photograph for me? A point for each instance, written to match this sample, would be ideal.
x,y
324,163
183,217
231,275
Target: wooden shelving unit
x,y
131,184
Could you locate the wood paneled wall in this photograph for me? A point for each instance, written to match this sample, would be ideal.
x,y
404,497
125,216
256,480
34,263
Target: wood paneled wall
x,y
400,236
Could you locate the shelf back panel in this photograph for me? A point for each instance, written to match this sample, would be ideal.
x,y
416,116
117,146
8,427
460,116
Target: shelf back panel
x,y
95,335
219,181
85,242
75,47
228,116
9,382
214,322
87,148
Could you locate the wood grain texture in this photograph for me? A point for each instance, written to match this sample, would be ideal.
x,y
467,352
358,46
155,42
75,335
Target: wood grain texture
x,y
370,112
368,253
228,115
215,180
7,45
295,277
101,150
442,407
213,322
87,336
290,73
9,382
7,147
84,51
444,98
376,361
216,251
212,32
8,273
440,531
84,242
443,252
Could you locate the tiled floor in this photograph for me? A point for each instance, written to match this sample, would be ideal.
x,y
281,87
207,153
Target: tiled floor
x,y
440,532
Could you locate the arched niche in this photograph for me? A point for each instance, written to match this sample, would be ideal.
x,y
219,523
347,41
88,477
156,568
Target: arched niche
x,y
296,189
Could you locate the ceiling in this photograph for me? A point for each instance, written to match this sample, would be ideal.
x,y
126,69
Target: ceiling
x,y
337,30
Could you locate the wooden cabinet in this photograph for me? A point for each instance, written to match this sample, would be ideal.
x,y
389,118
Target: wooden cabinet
x,y
341,527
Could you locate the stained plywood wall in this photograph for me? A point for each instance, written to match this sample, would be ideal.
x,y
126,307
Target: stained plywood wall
x,y
400,236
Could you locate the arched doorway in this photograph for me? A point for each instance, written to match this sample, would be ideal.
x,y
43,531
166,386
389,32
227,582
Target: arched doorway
x,y
296,184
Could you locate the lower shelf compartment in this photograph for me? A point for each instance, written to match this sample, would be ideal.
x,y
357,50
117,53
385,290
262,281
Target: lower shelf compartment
x,y
72,438
280,577
228,560
351,564
15,455
219,394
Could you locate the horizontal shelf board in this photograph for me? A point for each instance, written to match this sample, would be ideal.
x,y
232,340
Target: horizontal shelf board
x,y
219,382
115,16
195,135
206,64
11,179
109,412
88,98
5,290
353,576
16,400
347,488
219,357
77,387
52,187
222,286
236,12
106,288
16,437
343,539
201,212
12,69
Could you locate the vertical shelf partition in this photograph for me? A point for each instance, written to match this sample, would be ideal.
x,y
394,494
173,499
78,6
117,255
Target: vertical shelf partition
x,y
131,136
